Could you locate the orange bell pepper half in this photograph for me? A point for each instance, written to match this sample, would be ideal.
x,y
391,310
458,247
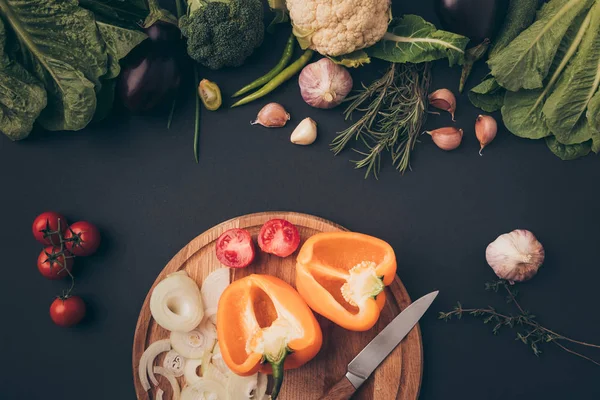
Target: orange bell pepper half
x,y
342,276
261,319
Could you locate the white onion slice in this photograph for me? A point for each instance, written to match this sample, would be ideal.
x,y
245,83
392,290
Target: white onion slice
x,y
176,303
190,371
261,387
174,363
210,314
159,394
213,373
213,287
193,344
147,359
242,387
206,360
171,379
204,389
217,360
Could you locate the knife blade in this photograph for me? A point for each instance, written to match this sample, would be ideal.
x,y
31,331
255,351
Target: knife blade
x,y
363,365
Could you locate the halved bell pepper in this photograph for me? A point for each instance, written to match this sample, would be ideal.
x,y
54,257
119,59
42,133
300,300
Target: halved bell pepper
x,y
264,324
342,276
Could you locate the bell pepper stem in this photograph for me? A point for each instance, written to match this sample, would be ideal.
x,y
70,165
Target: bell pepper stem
x,y
277,366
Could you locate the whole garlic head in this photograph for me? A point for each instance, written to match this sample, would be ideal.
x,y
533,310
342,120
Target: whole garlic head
x,y
515,256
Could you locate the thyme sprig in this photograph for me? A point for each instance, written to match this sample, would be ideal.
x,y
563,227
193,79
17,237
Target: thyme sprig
x,y
529,331
395,109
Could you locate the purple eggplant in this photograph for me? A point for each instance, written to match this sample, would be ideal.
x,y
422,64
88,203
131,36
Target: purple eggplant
x,y
163,34
149,78
475,19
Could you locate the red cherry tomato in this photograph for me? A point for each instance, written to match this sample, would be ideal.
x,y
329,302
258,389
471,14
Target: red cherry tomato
x,y
46,223
278,237
235,248
82,238
52,264
67,312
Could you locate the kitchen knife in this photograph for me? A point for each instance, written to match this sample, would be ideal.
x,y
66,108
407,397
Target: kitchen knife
x,y
379,348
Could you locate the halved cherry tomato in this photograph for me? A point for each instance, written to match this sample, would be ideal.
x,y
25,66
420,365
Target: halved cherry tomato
x,y
46,223
82,238
278,237
235,248
67,311
53,264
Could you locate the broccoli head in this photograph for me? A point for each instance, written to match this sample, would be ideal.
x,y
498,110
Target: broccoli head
x,y
222,33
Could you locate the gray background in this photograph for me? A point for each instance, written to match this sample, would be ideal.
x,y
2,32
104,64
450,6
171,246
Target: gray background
x,y
138,182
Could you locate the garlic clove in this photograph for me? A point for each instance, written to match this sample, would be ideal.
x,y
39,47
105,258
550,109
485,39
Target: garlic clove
x,y
515,256
443,99
305,133
485,130
446,138
273,115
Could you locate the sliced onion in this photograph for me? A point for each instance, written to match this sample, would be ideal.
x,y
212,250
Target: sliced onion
x,y
147,359
242,387
176,303
213,373
171,379
190,371
204,389
193,344
217,360
174,363
261,387
206,360
159,394
213,286
210,314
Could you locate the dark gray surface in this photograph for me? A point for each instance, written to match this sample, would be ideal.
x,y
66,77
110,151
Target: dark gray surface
x,y
137,181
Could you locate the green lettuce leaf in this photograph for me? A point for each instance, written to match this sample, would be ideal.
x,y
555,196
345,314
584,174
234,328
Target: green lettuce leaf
x,y
22,97
412,39
526,61
124,13
119,42
593,118
519,16
522,110
355,59
568,152
488,95
567,104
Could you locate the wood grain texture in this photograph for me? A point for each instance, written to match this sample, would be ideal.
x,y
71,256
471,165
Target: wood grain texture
x,y
398,377
342,390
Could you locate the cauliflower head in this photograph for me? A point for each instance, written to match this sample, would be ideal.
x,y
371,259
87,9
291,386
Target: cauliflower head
x,y
334,27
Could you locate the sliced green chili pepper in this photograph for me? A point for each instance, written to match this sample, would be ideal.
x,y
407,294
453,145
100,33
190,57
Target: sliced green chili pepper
x,y
285,59
197,119
210,94
281,77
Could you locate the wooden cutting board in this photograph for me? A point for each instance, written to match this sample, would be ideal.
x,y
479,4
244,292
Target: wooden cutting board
x,y
397,378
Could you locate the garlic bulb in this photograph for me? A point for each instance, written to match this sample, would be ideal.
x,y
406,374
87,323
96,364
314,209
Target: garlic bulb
x,y
324,84
305,133
515,256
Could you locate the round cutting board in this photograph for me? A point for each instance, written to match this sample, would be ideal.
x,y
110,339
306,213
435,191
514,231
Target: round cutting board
x,y
397,378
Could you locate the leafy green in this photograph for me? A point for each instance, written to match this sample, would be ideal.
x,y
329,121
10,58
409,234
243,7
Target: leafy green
x,y
355,59
526,61
119,42
567,104
488,95
124,13
522,110
22,97
519,16
412,39
568,152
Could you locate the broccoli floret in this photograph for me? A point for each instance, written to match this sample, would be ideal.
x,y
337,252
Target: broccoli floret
x,y
222,33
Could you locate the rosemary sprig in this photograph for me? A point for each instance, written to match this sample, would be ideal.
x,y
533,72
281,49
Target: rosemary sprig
x,y
529,330
395,109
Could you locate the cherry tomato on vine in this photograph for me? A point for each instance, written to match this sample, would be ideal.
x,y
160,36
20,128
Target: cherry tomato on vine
x,y
82,238
279,237
67,311
45,224
53,264
235,248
